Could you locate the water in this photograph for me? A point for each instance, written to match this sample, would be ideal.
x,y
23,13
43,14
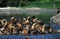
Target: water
x,y
46,36
40,36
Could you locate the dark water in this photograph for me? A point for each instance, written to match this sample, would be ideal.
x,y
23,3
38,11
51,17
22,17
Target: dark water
x,y
46,36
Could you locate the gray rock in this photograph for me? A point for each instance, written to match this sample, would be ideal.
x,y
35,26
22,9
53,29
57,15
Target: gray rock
x,y
55,20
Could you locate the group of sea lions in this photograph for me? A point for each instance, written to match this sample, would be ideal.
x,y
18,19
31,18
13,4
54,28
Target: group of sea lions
x,y
25,26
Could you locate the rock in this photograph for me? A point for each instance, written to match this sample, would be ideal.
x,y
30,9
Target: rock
x,y
55,21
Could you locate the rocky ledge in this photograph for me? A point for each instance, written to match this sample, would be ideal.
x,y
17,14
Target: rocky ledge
x,y
55,21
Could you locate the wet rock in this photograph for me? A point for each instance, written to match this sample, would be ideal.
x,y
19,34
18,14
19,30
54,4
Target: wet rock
x,y
55,21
